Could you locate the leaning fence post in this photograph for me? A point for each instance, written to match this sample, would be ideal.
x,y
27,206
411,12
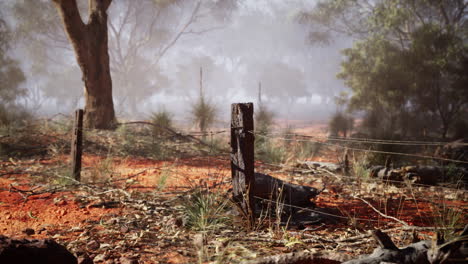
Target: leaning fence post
x,y
76,145
242,157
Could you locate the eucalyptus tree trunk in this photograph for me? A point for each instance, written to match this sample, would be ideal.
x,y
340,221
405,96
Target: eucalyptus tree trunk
x,y
90,42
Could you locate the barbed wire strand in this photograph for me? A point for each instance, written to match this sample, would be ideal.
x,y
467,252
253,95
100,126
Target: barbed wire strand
x,y
367,150
368,180
314,211
360,139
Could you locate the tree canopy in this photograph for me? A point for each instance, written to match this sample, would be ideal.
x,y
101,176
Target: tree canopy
x,y
408,61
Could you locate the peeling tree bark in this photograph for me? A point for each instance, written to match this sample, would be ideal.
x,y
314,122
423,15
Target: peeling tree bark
x,y
90,43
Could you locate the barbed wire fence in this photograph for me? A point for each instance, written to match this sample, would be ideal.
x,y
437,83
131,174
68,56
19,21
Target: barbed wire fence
x,y
337,144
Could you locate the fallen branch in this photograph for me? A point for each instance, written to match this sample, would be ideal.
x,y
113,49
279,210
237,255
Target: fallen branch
x,y
422,252
301,258
382,214
412,228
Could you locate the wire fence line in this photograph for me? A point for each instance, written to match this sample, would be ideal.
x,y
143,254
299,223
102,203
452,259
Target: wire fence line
x,y
305,138
314,211
363,140
360,149
185,132
295,169
294,137
328,138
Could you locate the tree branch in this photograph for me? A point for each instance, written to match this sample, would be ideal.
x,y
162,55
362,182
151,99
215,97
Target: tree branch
x,y
180,33
73,24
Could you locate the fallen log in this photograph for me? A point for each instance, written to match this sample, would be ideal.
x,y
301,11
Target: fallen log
x,y
429,175
270,188
422,252
292,201
318,165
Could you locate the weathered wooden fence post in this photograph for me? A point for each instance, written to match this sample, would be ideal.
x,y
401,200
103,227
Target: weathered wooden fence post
x,y
242,157
77,145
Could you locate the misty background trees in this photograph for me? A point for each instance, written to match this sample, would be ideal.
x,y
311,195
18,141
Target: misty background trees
x,y
11,78
153,43
407,67
403,63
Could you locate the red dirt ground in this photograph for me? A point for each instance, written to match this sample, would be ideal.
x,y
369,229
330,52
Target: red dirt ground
x,y
46,211
62,211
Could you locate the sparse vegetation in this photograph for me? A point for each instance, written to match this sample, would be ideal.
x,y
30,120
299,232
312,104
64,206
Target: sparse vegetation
x,y
359,168
203,112
271,152
263,120
163,177
127,139
161,119
341,123
307,149
206,211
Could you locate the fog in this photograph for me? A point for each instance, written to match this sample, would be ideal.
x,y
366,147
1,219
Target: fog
x,y
255,42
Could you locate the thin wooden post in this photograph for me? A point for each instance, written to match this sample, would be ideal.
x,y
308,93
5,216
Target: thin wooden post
x,y
242,157
388,162
346,162
77,145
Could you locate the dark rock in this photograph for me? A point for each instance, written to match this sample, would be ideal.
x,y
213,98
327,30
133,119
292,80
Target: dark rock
x,y
29,231
34,251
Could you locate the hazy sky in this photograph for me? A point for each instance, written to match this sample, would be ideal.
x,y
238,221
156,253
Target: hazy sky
x,y
263,43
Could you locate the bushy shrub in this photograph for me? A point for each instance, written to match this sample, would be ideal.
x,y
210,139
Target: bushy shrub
x,y
340,123
203,114
263,120
161,119
271,152
265,150
13,116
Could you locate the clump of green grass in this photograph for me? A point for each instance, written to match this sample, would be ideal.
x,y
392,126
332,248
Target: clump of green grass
x,y
161,119
203,114
206,211
164,176
447,219
307,149
359,168
270,152
62,175
218,144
